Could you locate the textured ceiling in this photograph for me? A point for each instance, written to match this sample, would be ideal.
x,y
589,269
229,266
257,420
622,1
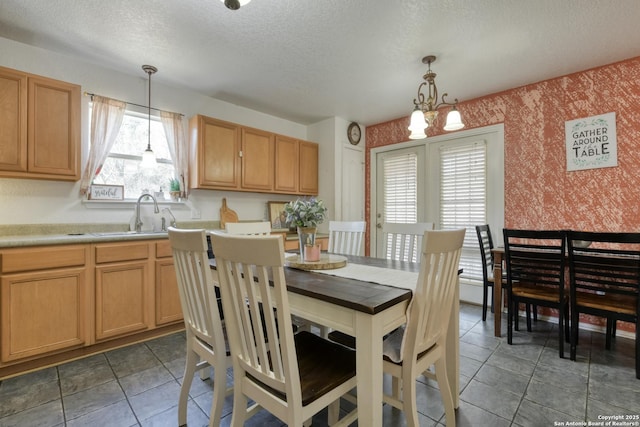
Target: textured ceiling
x,y
306,60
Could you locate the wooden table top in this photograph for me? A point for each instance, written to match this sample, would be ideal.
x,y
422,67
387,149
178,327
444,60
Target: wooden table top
x,y
358,295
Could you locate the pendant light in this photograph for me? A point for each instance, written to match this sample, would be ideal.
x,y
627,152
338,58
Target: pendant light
x,y
426,107
149,157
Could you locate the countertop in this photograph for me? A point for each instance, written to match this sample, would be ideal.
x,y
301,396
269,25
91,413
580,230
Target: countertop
x,y
15,236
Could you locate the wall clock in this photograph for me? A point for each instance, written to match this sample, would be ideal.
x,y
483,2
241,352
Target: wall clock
x,y
354,133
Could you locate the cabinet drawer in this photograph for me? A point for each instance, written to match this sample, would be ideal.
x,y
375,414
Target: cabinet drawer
x,y
121,252
163,249
30,259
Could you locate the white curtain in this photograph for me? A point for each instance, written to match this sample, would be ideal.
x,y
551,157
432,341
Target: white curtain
x,y
106,119
174,130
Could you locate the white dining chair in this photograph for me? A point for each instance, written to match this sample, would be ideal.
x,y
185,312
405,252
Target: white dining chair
x,y
409,351
402,242
247,228
291,376
206,344
346,237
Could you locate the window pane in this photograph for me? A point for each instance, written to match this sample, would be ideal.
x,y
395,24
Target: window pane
x,y
122,165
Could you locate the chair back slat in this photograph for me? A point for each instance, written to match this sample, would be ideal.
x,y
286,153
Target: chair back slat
x,y
610,265
536,258
346,237
486,245
402,242
197,287
255,301
433,300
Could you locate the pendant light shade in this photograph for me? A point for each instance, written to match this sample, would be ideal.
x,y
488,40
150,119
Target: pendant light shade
x,y
149,157
418,124
454,122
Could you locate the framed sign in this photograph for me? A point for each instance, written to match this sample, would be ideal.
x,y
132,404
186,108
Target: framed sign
x,y
106,192
277,216
591,142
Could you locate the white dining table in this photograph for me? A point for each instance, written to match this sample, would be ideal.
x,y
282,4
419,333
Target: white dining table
x,y
367,311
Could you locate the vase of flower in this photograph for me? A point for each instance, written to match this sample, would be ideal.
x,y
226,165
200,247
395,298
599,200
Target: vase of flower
x,y
309,249
306,214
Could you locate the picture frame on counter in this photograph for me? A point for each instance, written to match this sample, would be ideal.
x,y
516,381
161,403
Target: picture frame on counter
x,y
277,216
106,192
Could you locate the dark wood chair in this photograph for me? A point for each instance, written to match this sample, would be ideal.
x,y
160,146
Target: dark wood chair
x,y
485,240
535,261
605,281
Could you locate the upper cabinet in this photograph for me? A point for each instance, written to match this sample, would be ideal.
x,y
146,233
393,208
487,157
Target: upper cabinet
x,y
40,124
257,164
308,168
215,148
227,156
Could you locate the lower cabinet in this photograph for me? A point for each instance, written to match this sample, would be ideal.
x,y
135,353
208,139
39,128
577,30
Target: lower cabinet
x,y
168,308
43,300
64,301
121,299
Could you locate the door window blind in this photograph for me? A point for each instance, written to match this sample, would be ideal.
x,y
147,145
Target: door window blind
x,y
401,188
463,198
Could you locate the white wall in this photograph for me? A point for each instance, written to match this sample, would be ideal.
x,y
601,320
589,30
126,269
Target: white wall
x,y
24,201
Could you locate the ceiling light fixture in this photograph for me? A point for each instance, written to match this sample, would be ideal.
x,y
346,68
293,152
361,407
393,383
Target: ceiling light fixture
x,y
234,4
148,157
426,109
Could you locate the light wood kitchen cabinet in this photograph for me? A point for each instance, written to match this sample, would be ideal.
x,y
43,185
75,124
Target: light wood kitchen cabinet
x,y
40,124
168,308
122,294
43,301
308,168
227,156
287,163
257,160
215,145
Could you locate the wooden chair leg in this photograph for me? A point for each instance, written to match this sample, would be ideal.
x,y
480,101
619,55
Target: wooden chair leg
x,y
509,320
608,334
528,310
484,302
187,379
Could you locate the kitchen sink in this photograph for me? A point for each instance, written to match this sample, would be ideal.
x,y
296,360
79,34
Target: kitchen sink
x,y
128,233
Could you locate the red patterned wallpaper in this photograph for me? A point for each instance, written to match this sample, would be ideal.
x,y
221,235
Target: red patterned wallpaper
x,y
539,192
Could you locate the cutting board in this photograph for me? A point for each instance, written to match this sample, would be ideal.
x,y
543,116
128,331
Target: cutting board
x,y
226,214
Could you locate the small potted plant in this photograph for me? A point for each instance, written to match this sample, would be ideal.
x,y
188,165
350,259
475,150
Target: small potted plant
x,y
174,189
306,214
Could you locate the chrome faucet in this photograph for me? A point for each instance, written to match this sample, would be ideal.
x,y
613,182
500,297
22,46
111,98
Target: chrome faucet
x,y
172,223
155,210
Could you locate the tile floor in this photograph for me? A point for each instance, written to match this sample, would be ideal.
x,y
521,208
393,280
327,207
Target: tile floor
x,y
525,384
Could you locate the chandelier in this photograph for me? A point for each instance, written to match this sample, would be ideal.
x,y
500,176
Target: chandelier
x,y
426,109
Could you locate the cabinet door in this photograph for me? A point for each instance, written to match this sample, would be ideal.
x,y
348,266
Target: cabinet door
x,y
168,308
54,128
13,120
308,168
257,160
287,158
121,299
215,153
42,312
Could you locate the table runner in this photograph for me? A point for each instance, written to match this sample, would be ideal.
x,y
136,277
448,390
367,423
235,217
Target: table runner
x,y
380,275
393,343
